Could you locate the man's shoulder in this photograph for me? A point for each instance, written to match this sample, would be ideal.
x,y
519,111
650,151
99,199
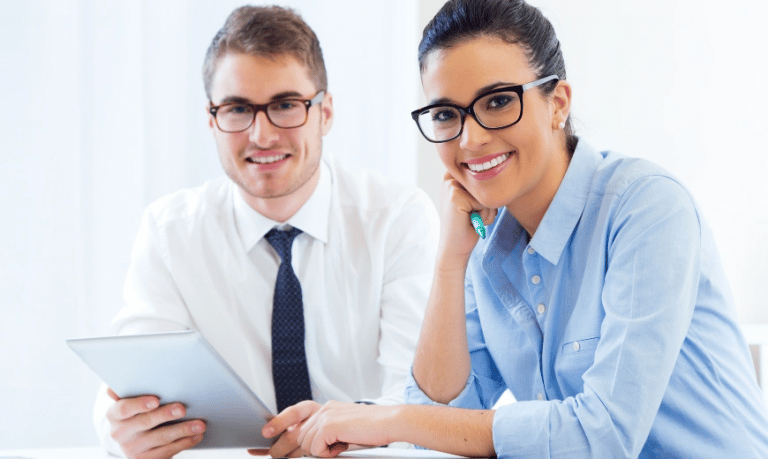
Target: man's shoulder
x,y
207,200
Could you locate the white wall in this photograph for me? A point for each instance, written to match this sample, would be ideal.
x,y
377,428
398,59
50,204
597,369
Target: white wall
x,y
678,82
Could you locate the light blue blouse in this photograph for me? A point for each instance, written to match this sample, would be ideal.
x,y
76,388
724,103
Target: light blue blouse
x,y
613,327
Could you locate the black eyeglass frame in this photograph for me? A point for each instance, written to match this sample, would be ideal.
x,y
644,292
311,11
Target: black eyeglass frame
x,y
470,110
213,110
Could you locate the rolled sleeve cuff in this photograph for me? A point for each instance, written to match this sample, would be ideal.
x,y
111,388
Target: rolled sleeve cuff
x,y
522,428
468,397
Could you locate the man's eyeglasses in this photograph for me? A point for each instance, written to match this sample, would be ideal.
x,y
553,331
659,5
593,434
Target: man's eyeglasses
x,y
496,109
283,113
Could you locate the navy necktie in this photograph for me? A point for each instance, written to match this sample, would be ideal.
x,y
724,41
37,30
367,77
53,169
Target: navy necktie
x,y
289,362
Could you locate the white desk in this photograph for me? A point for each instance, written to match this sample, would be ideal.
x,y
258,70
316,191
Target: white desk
x,y
98,453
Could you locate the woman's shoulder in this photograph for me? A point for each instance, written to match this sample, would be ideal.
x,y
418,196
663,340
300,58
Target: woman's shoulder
x,y
618,173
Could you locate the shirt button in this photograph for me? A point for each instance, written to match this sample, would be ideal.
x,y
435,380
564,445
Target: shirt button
x,y
541,308
531,251
540,396
576,346
535,280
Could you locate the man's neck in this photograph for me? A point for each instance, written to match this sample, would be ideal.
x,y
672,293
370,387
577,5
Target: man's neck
x,y
281,208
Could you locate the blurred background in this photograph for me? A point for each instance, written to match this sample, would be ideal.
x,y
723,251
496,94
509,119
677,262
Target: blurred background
x,y
104,112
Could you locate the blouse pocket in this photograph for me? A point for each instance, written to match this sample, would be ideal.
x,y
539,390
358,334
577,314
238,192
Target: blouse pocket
x,y
575,358
579,346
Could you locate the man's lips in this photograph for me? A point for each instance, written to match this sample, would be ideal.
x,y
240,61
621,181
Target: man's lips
x,y
266,158
486,163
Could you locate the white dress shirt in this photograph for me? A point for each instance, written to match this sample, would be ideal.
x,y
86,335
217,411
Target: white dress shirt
x,y
365,261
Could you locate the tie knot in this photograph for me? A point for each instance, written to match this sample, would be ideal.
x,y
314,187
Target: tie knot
x,y
282,241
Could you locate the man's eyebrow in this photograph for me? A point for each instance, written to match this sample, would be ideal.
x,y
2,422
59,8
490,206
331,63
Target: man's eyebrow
x,y
244,100
234,100
484,89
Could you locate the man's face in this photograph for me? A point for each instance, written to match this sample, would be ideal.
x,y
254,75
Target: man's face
x,y
265,161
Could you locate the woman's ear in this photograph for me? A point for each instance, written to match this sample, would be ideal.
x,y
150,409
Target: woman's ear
x,y
561,104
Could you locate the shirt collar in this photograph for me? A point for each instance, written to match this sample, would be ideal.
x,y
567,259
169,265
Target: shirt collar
x,y
568,205
561,217
311,218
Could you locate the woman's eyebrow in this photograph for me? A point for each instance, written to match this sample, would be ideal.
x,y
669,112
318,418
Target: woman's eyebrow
x,y
484,89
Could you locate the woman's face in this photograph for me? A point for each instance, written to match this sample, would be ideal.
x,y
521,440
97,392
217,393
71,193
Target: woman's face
x,y
530,157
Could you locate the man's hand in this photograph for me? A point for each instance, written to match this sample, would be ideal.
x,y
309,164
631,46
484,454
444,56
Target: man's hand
x,y
286,424
134,424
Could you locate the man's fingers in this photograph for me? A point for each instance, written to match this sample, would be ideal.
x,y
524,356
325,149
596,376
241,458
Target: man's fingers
x,y
285,444
126,408
170,449
112,394
164,442
290,416
140,424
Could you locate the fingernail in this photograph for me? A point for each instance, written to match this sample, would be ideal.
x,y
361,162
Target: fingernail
x,y
152,404
269,431
197,437
197,428
176,412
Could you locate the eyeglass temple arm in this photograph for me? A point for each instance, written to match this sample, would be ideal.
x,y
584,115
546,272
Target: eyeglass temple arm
x,y
540,81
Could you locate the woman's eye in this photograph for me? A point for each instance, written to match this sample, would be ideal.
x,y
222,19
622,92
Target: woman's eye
x,y
442,116
499,101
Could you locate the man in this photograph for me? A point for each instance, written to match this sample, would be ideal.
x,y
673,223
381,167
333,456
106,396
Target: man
x,y
211,258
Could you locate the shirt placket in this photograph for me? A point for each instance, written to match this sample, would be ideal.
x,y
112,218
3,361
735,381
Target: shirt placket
x,y
538,306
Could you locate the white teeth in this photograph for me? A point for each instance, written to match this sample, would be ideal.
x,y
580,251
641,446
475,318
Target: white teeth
x,y
488,164
267,159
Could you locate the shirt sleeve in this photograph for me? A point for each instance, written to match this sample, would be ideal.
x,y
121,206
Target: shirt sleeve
x,y
411,248
653,257
152,305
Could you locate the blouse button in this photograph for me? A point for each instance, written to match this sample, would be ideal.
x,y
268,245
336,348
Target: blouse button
x,y
541,308
576,346
540,396
535,280
531,251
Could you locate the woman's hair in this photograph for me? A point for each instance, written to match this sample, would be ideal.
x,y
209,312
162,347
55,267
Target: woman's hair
x,y
267,31
512,21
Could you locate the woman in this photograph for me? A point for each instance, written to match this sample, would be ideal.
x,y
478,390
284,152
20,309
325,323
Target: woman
x,y
598,297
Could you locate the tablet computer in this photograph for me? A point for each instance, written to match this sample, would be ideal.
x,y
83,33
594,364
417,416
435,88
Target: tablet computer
x,y
181,367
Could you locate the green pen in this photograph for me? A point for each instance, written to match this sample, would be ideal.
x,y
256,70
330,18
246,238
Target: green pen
x,y
477,223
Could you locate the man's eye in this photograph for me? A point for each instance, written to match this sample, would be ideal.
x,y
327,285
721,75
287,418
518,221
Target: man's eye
x,y
236,109
283,105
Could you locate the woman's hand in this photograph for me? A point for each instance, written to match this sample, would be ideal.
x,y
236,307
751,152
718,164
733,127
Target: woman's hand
x,y
457,235
337,425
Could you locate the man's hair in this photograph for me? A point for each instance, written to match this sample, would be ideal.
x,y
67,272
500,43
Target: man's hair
x,y
266,31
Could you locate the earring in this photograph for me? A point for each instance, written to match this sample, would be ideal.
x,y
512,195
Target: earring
x,y
561,125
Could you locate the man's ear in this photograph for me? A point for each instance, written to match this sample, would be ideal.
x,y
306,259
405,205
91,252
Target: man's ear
x,y
211,121
326,112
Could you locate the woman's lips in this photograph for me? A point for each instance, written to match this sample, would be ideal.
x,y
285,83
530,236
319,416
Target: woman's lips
x,y
481,165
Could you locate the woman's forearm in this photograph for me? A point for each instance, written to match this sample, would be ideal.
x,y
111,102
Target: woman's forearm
x,y
441,364
451,430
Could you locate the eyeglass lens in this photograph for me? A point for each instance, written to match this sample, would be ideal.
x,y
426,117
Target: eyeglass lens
x,y
495,110
283,113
